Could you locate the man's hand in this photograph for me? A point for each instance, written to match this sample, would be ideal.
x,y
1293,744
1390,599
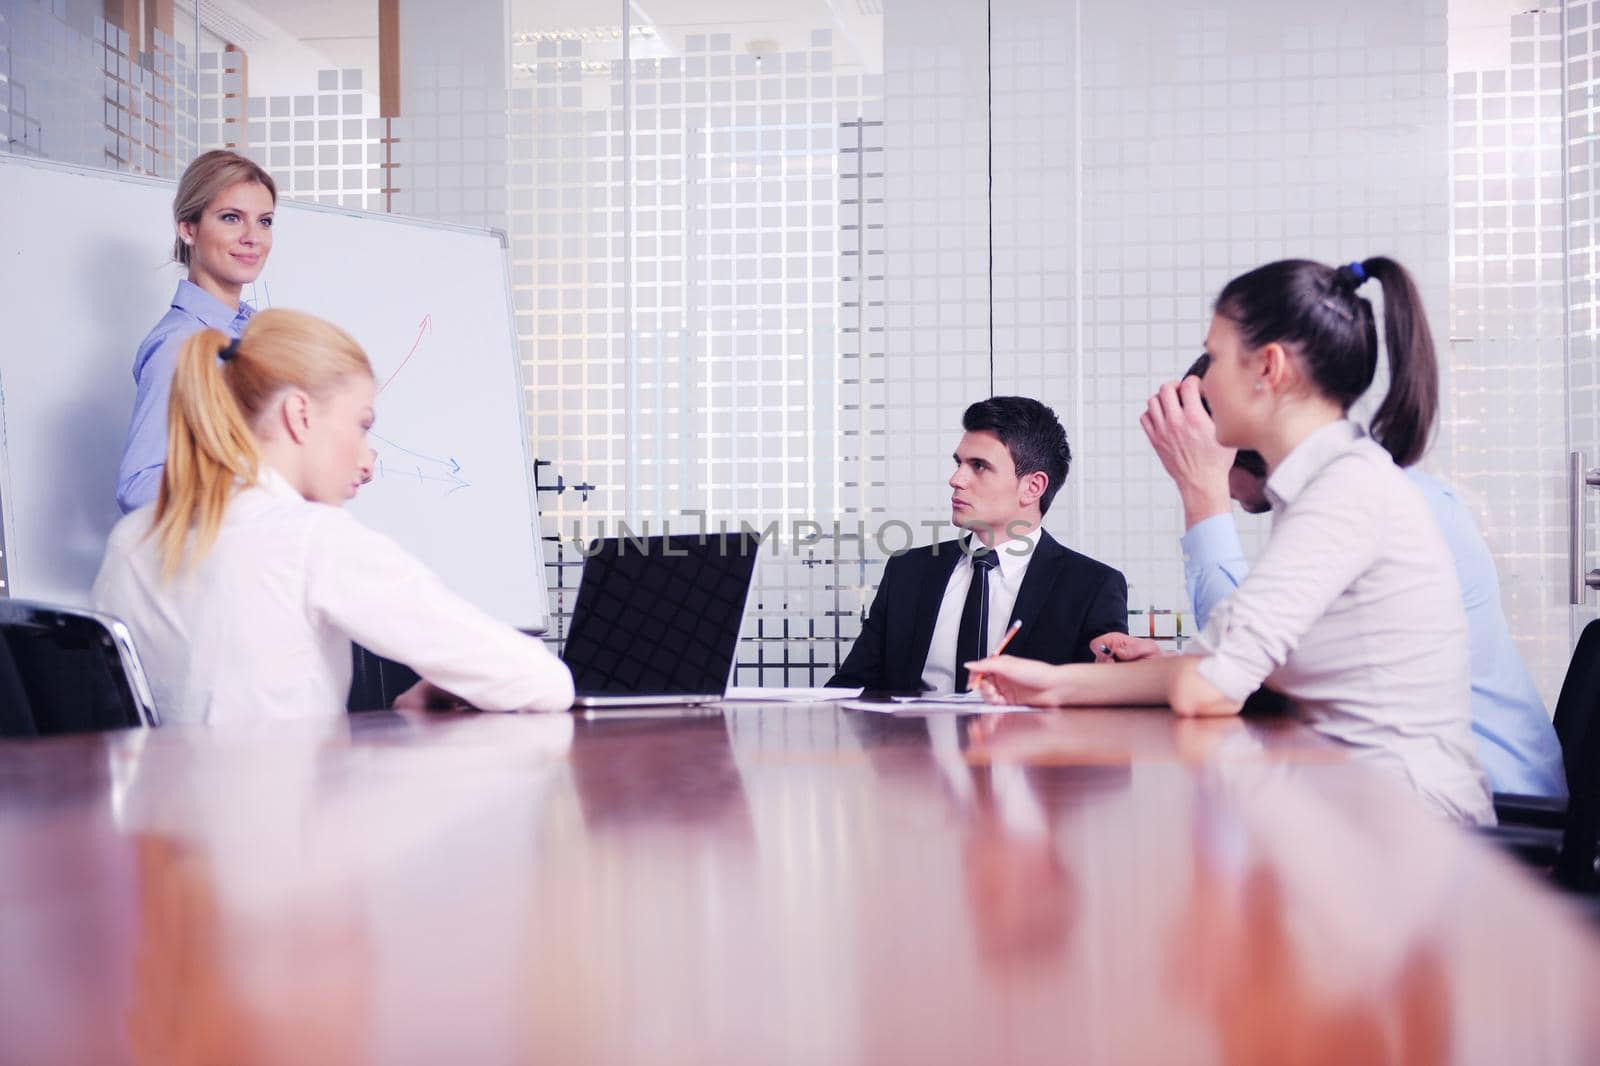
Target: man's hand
x,y
1185,440
1121,648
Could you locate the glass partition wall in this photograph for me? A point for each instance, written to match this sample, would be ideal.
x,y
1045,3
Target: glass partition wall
x,y
764,254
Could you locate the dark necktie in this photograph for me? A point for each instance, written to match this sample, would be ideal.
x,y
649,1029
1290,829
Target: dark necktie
x,y
972,639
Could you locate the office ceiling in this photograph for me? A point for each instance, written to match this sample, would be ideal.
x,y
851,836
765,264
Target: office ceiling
x,y
342,28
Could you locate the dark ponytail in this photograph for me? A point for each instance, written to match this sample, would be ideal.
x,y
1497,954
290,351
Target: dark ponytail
x,y
1404,421
1315,310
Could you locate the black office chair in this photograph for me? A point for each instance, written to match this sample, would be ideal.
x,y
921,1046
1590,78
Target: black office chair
x,y
1577,865
1575,710
64,670
376,681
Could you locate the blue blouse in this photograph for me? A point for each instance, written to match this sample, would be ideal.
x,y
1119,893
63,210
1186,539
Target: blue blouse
x,y
145,453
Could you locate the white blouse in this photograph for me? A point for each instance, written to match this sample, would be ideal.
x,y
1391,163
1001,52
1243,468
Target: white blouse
x,y
261,628
1354,613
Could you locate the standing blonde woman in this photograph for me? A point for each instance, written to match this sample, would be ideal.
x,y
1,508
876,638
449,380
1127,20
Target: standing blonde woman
x,y
246,582
223,213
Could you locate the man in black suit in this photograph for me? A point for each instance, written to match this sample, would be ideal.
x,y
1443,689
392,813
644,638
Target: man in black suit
x,y
930,616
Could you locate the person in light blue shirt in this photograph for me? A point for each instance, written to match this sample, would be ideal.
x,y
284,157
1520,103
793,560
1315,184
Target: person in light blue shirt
x,y
145,453
1515,741
223,213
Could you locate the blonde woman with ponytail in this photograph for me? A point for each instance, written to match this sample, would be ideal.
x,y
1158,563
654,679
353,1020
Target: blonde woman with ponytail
x,y
245,583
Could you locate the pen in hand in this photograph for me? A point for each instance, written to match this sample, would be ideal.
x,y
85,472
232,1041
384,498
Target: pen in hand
x,y
977,675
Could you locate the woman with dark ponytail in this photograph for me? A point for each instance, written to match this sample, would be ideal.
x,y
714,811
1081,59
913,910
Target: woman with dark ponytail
x,y
1353,611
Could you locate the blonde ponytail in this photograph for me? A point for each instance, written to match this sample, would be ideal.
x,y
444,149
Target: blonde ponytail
x,y
210,450
219,390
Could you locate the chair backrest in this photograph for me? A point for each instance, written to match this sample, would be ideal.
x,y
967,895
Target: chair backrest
x,y
1579,699
1580,844
376,681
64,670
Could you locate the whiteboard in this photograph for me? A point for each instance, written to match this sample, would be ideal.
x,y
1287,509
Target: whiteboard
x,y
84,276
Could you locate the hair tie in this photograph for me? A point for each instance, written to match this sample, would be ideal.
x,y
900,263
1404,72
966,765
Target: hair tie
x,y
230,351
1351,275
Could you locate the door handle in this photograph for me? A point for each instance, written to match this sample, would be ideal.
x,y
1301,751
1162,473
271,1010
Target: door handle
x,y
1579,478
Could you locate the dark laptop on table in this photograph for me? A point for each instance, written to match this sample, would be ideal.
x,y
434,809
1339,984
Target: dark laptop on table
x,y
657,619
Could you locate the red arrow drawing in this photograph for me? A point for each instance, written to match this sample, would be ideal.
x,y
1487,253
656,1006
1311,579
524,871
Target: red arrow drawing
x,y
425,326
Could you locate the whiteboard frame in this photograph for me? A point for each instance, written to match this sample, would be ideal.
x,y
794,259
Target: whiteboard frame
x,y
536,534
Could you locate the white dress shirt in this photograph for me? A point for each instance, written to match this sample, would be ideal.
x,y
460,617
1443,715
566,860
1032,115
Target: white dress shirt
x,y
1354,613
261,628
1005,580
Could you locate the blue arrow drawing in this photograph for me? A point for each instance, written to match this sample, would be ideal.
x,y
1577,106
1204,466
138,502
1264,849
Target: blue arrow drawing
x,y
427,467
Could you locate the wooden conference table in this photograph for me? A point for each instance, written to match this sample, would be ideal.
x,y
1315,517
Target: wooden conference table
x,y
776,884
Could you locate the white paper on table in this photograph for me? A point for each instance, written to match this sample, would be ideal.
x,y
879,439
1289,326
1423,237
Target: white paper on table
x,y
936,706
757,694
972,696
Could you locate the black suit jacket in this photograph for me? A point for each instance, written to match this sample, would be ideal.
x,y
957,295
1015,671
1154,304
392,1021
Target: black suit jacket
x,y
1066,600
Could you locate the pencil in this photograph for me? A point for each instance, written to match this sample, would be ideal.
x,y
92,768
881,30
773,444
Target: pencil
x,y
972,682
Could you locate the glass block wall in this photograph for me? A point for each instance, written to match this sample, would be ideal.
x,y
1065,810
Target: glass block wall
x,y
1506,440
